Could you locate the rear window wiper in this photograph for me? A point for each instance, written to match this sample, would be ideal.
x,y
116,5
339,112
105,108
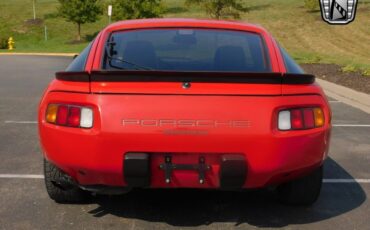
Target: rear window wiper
x,y
138,67
109,51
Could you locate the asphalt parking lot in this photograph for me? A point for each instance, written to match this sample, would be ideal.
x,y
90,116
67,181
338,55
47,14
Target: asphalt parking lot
x,y
343,203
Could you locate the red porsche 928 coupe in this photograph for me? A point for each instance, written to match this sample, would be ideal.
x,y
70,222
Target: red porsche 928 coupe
x,y
182,103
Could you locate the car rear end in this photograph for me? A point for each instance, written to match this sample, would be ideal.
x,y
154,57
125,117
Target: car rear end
x,y
186,106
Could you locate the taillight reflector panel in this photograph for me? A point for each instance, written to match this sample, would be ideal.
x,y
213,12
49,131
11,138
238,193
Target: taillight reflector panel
x,y
51,113
74,116
309,119
319,117
86,118
300,118
62,115
69,115
284,120
296,119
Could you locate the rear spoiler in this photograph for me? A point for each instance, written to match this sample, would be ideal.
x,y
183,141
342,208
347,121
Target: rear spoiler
x,y
173,76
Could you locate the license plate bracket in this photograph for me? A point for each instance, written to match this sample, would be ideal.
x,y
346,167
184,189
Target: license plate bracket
x,y
168,167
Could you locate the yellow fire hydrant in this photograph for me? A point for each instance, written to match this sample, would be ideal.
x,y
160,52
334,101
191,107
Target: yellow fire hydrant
x,y
11,43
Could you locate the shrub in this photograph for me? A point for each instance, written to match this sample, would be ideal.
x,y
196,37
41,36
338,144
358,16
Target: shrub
x,y
130,9
366,72
3,43
349,69
221,8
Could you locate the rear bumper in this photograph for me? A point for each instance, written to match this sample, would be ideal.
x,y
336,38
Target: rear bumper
x,y
97,156
95,160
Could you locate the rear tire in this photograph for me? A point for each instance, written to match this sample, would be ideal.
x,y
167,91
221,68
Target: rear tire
x,y
303,191
61,193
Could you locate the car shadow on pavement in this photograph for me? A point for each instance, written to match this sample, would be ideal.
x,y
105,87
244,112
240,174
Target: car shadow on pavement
x,y
183,207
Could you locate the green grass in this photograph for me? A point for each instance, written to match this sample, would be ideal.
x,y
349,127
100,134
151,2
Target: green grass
x,y
302,33
30,38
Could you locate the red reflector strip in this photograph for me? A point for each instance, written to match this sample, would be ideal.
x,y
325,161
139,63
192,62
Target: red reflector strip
x,y
74,116
296,119
309,120
62,115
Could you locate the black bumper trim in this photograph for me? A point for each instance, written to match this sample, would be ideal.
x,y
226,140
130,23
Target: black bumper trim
x,y
136,169
105,190
233,172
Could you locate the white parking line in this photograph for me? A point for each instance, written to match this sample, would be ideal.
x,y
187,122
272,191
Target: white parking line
x,y
328,181
20,122
349,125
22,176
346,181
334,101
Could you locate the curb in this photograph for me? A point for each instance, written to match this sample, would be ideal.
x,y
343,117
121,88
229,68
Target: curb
x,y
346,95
40,54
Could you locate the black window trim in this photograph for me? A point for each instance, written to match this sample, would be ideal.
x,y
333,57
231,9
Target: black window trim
x,y
282,50
88,51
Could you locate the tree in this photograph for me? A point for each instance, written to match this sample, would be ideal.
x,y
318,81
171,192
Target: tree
x,y
80,12
133,9
221,8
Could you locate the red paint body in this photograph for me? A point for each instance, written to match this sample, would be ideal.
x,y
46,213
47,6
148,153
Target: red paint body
x,y
95,156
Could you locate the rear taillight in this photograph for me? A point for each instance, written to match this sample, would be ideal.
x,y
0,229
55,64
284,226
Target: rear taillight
x,y
74,117
62,115
69,115
296,119
300,118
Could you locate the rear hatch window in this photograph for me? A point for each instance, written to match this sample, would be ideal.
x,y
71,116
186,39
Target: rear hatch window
x,y
186,50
